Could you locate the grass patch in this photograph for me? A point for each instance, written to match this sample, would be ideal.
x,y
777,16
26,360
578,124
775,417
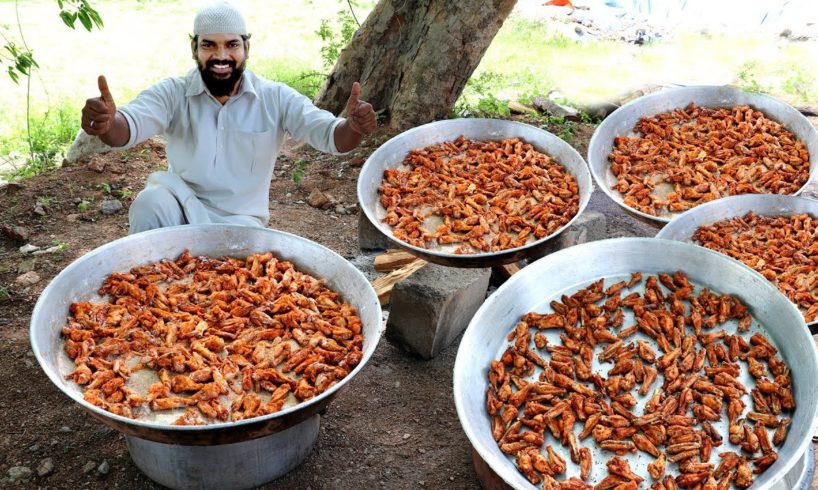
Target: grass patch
x,y
294,73
51,133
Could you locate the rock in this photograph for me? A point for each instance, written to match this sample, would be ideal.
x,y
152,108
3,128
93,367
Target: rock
x,y
16,233
73,218
433,306
97,163
110,206
356,162
65,428
85,145
26,266
49,250
19,474
318,199
28,279
340,209
28,248
39,210
89,467
34,448
46,467
10,186
555,109
104,468
369,237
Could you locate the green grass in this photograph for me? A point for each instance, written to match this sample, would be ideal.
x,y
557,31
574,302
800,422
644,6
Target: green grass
x,y
144,41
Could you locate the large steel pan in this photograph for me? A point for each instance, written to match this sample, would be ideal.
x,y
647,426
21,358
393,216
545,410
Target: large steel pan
x,y
567,270
683,227
392,153
622,121
82,278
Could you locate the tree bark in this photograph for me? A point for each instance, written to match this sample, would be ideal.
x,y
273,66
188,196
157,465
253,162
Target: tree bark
x,y
413,57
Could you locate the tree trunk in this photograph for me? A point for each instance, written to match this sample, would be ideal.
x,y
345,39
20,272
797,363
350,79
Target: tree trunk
x,y
413,57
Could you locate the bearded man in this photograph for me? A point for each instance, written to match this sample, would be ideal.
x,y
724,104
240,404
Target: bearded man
x,y
224,127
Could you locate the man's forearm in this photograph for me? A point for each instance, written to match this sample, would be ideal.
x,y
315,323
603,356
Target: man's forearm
x,y
119,134
346,138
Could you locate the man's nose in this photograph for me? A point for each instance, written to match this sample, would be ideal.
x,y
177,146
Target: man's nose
x,y
221,52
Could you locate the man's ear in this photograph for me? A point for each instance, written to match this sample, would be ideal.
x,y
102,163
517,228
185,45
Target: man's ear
x,y
247,49
194,48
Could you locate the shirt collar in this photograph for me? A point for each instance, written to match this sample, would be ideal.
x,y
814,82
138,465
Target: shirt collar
x,y
196,86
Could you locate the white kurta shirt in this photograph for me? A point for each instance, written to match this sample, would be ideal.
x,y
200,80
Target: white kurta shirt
x,y
225,154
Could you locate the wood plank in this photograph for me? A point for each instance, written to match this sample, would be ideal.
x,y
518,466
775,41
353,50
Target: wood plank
x,y
509,270
383,285
392,259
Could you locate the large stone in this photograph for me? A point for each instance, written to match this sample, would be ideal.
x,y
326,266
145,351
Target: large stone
x,y
318,199
369,237
16,233
110,206
433,306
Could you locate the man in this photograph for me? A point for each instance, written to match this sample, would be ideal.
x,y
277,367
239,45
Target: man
x,y
224,127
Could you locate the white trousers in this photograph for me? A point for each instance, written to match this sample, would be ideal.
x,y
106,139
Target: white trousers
x,y
167,201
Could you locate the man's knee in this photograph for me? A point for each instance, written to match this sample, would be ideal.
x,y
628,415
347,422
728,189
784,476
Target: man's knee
x,y
154,207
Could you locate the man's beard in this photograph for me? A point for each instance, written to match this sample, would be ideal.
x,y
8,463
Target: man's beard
x,y
219,87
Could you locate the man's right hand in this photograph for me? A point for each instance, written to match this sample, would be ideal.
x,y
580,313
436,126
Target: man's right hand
x,y
99,112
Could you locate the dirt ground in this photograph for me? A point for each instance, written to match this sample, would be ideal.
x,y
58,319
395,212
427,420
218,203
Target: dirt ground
x,y
394,426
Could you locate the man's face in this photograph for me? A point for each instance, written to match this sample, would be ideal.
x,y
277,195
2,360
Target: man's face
x,y
221,59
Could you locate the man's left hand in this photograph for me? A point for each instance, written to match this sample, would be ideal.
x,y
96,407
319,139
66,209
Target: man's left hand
x,y
359,113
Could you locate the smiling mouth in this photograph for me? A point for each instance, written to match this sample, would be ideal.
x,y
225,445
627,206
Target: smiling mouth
x,y
221,69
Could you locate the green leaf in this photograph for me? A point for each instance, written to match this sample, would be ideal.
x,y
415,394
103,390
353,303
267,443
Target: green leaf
x,y
13,74
96,18
86,21
68,18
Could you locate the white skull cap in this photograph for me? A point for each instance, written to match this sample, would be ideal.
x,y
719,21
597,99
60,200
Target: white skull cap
x,y
219,17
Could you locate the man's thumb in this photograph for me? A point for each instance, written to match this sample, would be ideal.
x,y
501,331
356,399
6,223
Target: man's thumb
x,y
353,95
104,91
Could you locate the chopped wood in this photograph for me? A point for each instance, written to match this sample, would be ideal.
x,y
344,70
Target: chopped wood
x,y
383,285
509,270
392,259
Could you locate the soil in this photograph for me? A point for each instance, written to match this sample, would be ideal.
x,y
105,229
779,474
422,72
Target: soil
x,y
394,426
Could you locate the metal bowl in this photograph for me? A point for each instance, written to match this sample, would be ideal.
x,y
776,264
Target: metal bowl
x,y
83,277
683,227
569,269
622,121
391,155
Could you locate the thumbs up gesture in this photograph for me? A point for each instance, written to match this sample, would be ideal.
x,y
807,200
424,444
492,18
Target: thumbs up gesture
x,y
359,113
99,112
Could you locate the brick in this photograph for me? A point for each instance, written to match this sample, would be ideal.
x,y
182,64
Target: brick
x,y
433,306
369,237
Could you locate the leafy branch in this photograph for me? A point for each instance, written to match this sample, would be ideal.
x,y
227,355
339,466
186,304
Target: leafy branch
x,y
20,59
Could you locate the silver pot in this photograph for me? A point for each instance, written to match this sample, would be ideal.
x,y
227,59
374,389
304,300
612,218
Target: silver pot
x,y
622,121
229,442
683,227
566,270
392,153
